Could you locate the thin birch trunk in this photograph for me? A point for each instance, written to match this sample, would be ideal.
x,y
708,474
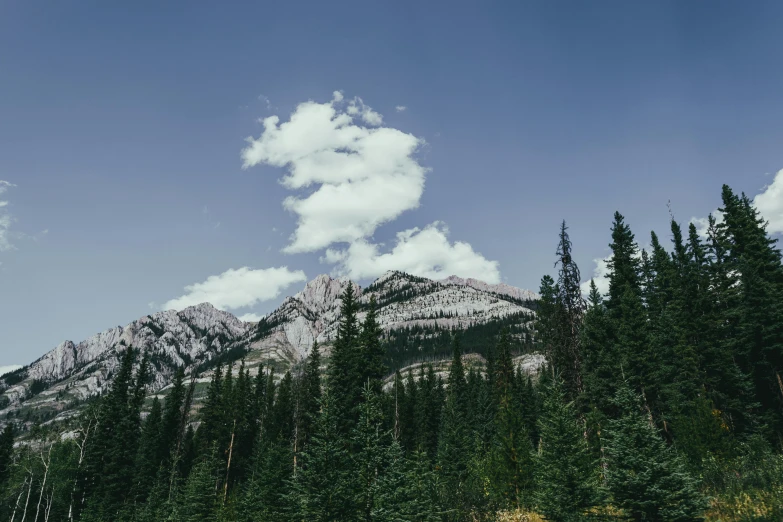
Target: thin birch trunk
x,y
16,506
228,465
46,464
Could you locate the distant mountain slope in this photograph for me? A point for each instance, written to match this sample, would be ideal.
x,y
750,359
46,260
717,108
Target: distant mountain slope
x,y
417,314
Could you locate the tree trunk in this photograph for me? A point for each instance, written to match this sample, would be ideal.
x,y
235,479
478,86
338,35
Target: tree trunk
x,y
16,506
46,464
228,465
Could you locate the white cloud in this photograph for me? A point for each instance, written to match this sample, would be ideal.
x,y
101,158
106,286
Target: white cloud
x,y
702,223
400,108
770,204
237,288
9,368
5,218
600,272
251,318
364,175
422,252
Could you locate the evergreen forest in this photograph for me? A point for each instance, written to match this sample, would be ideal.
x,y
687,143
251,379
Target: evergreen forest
x,y
661,400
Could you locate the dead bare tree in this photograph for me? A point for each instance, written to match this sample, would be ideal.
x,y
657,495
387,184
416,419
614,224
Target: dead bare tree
x,y
84,432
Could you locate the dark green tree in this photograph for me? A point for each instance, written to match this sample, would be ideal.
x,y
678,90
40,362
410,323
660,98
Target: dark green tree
x,y
324,487
567,475
647,479
346,371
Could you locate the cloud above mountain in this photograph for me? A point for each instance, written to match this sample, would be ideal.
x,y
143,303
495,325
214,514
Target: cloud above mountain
x,y
424,252
352,174
237,288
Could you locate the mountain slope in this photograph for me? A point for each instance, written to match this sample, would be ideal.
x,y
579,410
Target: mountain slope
x,y
417,316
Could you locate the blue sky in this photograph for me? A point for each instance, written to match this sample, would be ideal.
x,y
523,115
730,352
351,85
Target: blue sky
x,y
123,126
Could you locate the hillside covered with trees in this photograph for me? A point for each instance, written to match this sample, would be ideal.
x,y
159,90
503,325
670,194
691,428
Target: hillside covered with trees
x,y
661,401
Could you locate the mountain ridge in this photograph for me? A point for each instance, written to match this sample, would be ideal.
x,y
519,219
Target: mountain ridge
x,y
414,308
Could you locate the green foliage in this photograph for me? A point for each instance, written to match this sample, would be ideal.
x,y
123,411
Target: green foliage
x,y
645,478
324,488
567,477
657,396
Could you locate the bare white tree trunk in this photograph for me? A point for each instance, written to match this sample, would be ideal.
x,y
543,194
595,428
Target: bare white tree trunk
x,y
21,492
82,446
46,463
26,502
48,511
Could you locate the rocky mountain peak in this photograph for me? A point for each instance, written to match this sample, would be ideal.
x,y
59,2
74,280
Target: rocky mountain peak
x,y
499,288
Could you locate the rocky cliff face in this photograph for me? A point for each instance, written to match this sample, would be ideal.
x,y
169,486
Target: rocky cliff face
x,y
73,372
403,301
194,336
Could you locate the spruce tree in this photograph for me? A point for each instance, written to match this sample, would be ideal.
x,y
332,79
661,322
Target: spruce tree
x,y
148,459
6,454
628,317
372,350
372,443
311,394
324,488
454,443
346,366
198,501
729,385
510,454
758,263
567,355
647,479
567,477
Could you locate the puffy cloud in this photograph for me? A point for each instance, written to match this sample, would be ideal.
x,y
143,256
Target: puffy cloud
x,y
400,108
422,252
600,273
9,368
237,288
702,223
770,204
363,174
251,318
5,218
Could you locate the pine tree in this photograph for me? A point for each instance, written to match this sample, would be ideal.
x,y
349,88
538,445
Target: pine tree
x,y
454,444
547,331
758,263
171,417
729,385
628,317
212,413
346,366
567,475
647,479
198,502
567,356
373,444
311,394
148,459
409,405
510,453
324,489
109,464
6,454
372,351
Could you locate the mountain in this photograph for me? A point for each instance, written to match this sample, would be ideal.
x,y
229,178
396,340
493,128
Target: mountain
x,y
417,315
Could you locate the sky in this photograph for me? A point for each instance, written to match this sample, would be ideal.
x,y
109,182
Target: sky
x,y
155,155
